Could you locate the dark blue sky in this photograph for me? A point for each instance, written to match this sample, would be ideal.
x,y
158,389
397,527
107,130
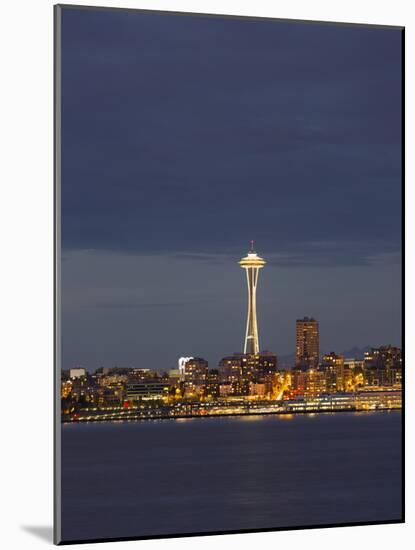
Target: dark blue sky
x,y
184,137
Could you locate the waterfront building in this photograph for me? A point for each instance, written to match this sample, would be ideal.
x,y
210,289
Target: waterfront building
x,y
307,343
298,382
225,389
240,370
181,363
360,401
135,376
378,399
110,397
234,389
383,366
66,388
354,364
77,372
211,390
142,374
240,387
385,357
195,376
315,383
230,368
147,390
252,263
84,390
309,383
261,365
353,374
174,374
281,383
257,389
323,403
112,379
332,365
258,366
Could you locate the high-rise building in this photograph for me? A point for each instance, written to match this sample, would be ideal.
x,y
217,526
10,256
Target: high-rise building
x,y
307,343
252,263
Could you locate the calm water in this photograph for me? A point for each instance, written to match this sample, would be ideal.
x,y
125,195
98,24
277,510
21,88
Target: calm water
x,y
183,476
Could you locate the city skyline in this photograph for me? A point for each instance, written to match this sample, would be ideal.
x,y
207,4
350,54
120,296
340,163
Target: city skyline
x,y
250,334
306,354
148,274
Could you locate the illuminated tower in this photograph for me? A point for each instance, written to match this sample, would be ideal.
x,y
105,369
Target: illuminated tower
x,y
252,263
307,343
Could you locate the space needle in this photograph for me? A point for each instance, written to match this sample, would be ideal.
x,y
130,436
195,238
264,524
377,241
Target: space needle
x,y
252,263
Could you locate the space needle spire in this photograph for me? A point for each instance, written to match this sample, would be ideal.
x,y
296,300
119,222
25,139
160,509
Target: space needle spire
x,y
252,263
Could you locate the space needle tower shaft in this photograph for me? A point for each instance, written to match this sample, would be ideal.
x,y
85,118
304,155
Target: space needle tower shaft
x,y
252,263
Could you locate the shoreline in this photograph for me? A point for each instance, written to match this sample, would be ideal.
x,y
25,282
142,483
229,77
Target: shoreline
x,y
224,415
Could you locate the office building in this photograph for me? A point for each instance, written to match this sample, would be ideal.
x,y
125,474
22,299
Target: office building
x,y
307,348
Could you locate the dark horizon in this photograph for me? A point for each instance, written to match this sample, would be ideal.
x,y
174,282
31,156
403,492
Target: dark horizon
x,y
185,137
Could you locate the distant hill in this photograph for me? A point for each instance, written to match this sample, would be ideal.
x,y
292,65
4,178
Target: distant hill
x,y
355,353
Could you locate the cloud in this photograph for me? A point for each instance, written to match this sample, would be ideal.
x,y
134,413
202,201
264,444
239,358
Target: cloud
x,y
143,305
309,254
194,135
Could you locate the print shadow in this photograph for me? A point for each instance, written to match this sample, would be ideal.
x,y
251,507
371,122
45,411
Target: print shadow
x,y
43,532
